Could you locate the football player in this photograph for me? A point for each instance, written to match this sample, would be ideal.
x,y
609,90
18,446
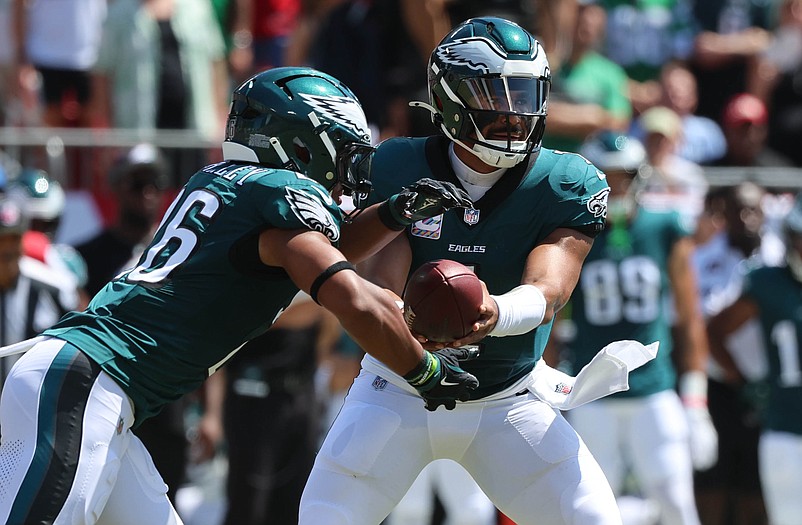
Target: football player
x,y
773,295
231,252
635,268
535,216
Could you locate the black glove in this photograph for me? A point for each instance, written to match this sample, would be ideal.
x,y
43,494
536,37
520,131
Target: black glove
x,y
421,200
440,380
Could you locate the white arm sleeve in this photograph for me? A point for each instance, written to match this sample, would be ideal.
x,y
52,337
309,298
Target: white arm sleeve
x,y
520,310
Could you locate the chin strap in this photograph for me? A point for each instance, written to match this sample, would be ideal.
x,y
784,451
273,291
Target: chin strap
x,y
424,105
282,155
486,155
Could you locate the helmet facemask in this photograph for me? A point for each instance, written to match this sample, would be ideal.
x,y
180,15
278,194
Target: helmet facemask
x,y
507,118
353,172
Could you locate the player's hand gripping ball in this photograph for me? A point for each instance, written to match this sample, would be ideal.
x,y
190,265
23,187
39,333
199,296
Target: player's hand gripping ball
x,y
442,299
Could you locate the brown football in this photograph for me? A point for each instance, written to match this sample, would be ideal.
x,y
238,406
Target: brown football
x,y
442,299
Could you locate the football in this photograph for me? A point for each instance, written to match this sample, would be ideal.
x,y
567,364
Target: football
x,y
442,299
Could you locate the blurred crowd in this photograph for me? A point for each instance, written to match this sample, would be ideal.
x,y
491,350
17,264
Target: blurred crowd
x,y
699,83
170,64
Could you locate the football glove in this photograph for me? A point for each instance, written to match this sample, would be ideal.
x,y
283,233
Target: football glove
x,y
703,438
421,200
439,379
692,387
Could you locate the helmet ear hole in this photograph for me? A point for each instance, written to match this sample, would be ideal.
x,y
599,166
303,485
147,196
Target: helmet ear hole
x,y
302,153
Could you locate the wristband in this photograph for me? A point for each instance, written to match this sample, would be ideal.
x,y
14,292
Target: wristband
x,y
692,388
389,217
520,310
423,371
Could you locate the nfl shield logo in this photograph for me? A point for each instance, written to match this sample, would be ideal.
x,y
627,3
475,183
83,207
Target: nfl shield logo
x,y
562,388
471,216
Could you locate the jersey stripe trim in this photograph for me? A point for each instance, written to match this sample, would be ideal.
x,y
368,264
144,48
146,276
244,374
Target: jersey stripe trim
x,y
66,387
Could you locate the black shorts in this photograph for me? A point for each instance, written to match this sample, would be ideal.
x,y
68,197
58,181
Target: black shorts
x,y
56,83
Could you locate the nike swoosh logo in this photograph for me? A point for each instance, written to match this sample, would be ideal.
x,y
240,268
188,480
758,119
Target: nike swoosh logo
x,y
447,383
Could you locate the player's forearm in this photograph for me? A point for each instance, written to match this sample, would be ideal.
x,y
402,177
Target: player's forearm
x,y
374,320
717,334
695,344
365,236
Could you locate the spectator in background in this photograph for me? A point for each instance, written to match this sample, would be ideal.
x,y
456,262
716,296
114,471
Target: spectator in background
x,y
732,35
33,296
669,181
745,122
643,36
589,91
257,33
784,52
379,60
555,21
138,179
777,82
162,66
272,23
226,13
522,12
730,491
702,139
8,57
59,40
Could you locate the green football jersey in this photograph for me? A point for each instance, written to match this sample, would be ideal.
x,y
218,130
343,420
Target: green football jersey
x,y
529,202
779,298
199,290
624,293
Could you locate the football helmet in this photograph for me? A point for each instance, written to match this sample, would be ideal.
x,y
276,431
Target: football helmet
x,y
41,198
792,232
489,83
304,120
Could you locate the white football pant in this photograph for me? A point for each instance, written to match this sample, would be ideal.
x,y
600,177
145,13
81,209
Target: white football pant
x,y
648,435
780,463
64,466
523,454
